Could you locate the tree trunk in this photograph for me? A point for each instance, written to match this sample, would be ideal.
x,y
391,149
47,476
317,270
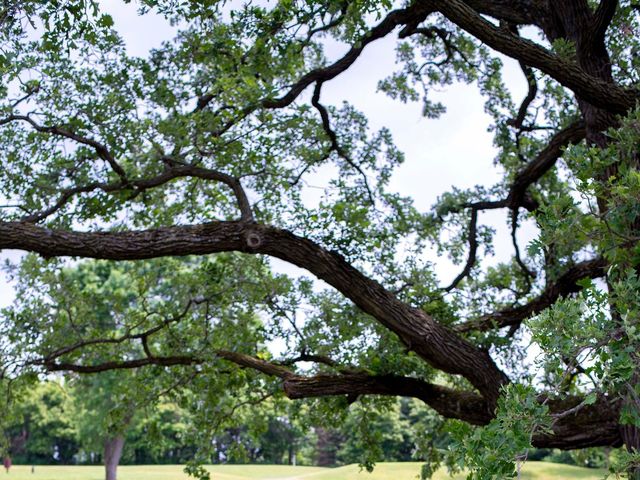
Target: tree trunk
x,y
112,454
574,21
631,437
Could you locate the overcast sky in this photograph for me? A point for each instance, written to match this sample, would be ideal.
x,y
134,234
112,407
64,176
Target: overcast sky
x,y
455,150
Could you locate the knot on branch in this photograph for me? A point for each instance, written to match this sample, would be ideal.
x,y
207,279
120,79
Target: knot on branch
x,y
253,239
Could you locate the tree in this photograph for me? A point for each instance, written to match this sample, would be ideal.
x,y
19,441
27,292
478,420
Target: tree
x,y
204,149
42,430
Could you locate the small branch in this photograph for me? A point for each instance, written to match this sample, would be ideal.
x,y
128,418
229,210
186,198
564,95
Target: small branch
x,y
541,165
514,230
121,339
173,172
102,151
518,122
416,12
473,248
121,365
335,146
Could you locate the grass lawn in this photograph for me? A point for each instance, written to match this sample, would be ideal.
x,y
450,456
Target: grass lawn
x,y
383,471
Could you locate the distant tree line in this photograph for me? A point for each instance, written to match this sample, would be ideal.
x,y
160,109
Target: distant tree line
x,y
52,425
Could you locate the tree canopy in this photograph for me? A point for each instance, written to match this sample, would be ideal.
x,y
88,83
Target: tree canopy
x,y
184,173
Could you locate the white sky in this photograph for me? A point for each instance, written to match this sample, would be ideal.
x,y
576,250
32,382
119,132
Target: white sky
x,y
453,150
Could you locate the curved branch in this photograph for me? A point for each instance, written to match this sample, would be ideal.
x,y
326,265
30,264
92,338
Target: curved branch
x,y
448,402
588,426
333,139
51,356
597,92
433,342
415,13
514,240
173,172
473,249
532,91
518,196
564,285
101,150
576,424
543,162
602,19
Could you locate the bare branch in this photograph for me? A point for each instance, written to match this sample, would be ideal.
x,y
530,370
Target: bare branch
x,y
473,249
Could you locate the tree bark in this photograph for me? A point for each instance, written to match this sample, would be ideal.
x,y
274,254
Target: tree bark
x,y
421,333
574,21
112,453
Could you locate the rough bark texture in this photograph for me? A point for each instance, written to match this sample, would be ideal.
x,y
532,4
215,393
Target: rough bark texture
x,y
588,75
573,20
434,342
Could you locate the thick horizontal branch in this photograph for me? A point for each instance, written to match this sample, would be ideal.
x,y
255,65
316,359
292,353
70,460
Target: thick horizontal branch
x,y
433,342
516,12
581,427
576,425
448,402
564,285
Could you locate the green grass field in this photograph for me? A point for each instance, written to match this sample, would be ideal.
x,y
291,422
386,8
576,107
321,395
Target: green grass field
x,y
383,471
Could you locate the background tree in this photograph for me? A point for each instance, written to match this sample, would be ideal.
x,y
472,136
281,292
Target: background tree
x,y
204,148
41,429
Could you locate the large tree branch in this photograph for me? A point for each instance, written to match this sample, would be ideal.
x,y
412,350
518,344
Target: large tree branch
x,y
576,425
605,95
516,12
448,402
585,426
564,285
602,19
432,341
